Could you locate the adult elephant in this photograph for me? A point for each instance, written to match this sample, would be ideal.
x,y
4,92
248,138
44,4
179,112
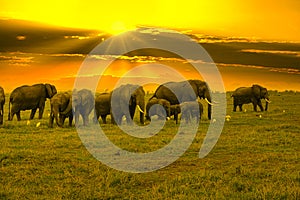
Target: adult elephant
x,y
61,108
125,99
82,103
191,110
102,107
30,98
159,107
2,102
254,94
179,92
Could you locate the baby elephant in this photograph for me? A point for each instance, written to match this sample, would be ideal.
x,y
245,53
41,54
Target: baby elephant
x,y
159,107
61,108
102,107
175,110
190,110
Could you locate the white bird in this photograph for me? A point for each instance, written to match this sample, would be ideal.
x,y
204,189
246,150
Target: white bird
x,y
38,124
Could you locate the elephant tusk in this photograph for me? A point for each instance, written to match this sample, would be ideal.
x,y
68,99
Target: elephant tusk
x,y
208,102
268,101
140,109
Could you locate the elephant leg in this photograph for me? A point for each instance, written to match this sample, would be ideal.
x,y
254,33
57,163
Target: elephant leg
x,y
254,106
84,120
132,111
76,117
11,116
241,107
32,113
117,120
18,115
70,120
234,107
103,117
209,112
129,119
51,120
254,102
63,119
41,110
96,116
235,104
260,105
176,118
112,119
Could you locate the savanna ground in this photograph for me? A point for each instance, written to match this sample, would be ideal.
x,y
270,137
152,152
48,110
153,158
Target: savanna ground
x,y
255,158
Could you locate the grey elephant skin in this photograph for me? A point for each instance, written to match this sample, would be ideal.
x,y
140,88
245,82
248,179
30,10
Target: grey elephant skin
x,y
184,93
102,107
125,100
191,110
175,110
2,102
254,94
30,98
61,108
157,110
83,103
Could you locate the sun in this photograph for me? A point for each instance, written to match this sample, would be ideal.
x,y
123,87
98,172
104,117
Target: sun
x,y
118,27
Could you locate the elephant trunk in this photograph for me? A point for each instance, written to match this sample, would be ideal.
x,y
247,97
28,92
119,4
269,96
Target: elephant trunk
x,y
9,118
267,103
58,120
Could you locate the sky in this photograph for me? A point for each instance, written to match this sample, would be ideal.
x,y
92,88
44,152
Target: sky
x,y
273,20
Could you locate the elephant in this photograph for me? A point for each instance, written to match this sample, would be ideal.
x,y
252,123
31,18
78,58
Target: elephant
x,y
61,108
175,110
125,99
30,98
102,107
2,102
254,94
183,91
82,103
157,110
190,110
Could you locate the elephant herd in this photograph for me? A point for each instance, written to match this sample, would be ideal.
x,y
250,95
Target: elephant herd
x,y
169,99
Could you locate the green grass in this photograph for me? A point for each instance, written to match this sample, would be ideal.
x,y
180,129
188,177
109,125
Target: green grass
x,y
255,158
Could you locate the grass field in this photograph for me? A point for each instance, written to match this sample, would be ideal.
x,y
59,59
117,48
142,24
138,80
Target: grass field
x,y
255,158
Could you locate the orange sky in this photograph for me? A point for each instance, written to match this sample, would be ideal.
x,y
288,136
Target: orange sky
x,y
276,19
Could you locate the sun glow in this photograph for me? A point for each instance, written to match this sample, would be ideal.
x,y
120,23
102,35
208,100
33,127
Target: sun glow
x,y
119,27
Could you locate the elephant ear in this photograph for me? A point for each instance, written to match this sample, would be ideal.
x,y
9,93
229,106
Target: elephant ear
x,y
256,89
49,92
69,104
53,88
